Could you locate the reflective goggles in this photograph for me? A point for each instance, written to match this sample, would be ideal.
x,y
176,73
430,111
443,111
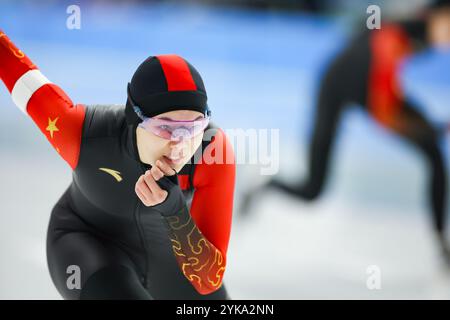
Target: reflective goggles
x,y
173,130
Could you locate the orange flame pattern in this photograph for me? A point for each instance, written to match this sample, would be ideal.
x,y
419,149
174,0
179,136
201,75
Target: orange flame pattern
x,y
200,261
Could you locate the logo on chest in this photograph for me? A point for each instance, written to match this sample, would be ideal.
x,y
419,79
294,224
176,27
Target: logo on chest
x,y
116,174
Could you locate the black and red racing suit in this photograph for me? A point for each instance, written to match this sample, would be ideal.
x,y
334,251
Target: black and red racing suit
x,y
99,227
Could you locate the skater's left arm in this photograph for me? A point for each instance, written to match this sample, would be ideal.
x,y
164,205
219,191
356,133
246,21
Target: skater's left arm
x,y
200,236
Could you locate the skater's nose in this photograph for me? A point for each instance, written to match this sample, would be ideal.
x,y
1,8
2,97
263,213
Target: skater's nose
x,y
177,147
178,143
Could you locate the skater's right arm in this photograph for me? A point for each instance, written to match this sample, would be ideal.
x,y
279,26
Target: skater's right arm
x,y
50,108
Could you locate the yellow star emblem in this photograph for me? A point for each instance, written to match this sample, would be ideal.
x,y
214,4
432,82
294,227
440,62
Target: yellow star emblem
x,y
52,126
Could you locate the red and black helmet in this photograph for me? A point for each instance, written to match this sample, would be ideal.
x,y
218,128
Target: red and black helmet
x,y
165,83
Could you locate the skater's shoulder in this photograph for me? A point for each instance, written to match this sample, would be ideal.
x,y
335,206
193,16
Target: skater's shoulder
x,y
215,132
103,120
216,146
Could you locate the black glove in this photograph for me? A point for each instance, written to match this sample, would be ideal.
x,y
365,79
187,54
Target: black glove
x,y
175,201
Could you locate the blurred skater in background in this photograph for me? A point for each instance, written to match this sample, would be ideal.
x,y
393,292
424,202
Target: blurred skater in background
x,y
366,73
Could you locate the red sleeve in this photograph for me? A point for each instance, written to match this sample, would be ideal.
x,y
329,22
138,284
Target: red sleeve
x,y
50,108
389,46
214,179
200,237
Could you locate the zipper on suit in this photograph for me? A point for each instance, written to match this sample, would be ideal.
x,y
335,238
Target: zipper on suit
x,y
137,217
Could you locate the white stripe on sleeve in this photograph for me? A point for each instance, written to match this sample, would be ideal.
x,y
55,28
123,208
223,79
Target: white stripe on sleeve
x,y
25,86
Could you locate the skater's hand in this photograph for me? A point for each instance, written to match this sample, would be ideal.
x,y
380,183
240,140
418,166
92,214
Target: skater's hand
x,y
164,167
148,191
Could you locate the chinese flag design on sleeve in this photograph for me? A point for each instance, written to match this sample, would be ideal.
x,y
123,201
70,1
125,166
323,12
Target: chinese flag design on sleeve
x,y
50,108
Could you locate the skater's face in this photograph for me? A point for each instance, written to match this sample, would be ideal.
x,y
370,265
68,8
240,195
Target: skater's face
x,y
439,28
176,153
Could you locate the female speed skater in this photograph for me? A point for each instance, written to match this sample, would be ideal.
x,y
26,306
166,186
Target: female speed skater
x,y
366,73
148,212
